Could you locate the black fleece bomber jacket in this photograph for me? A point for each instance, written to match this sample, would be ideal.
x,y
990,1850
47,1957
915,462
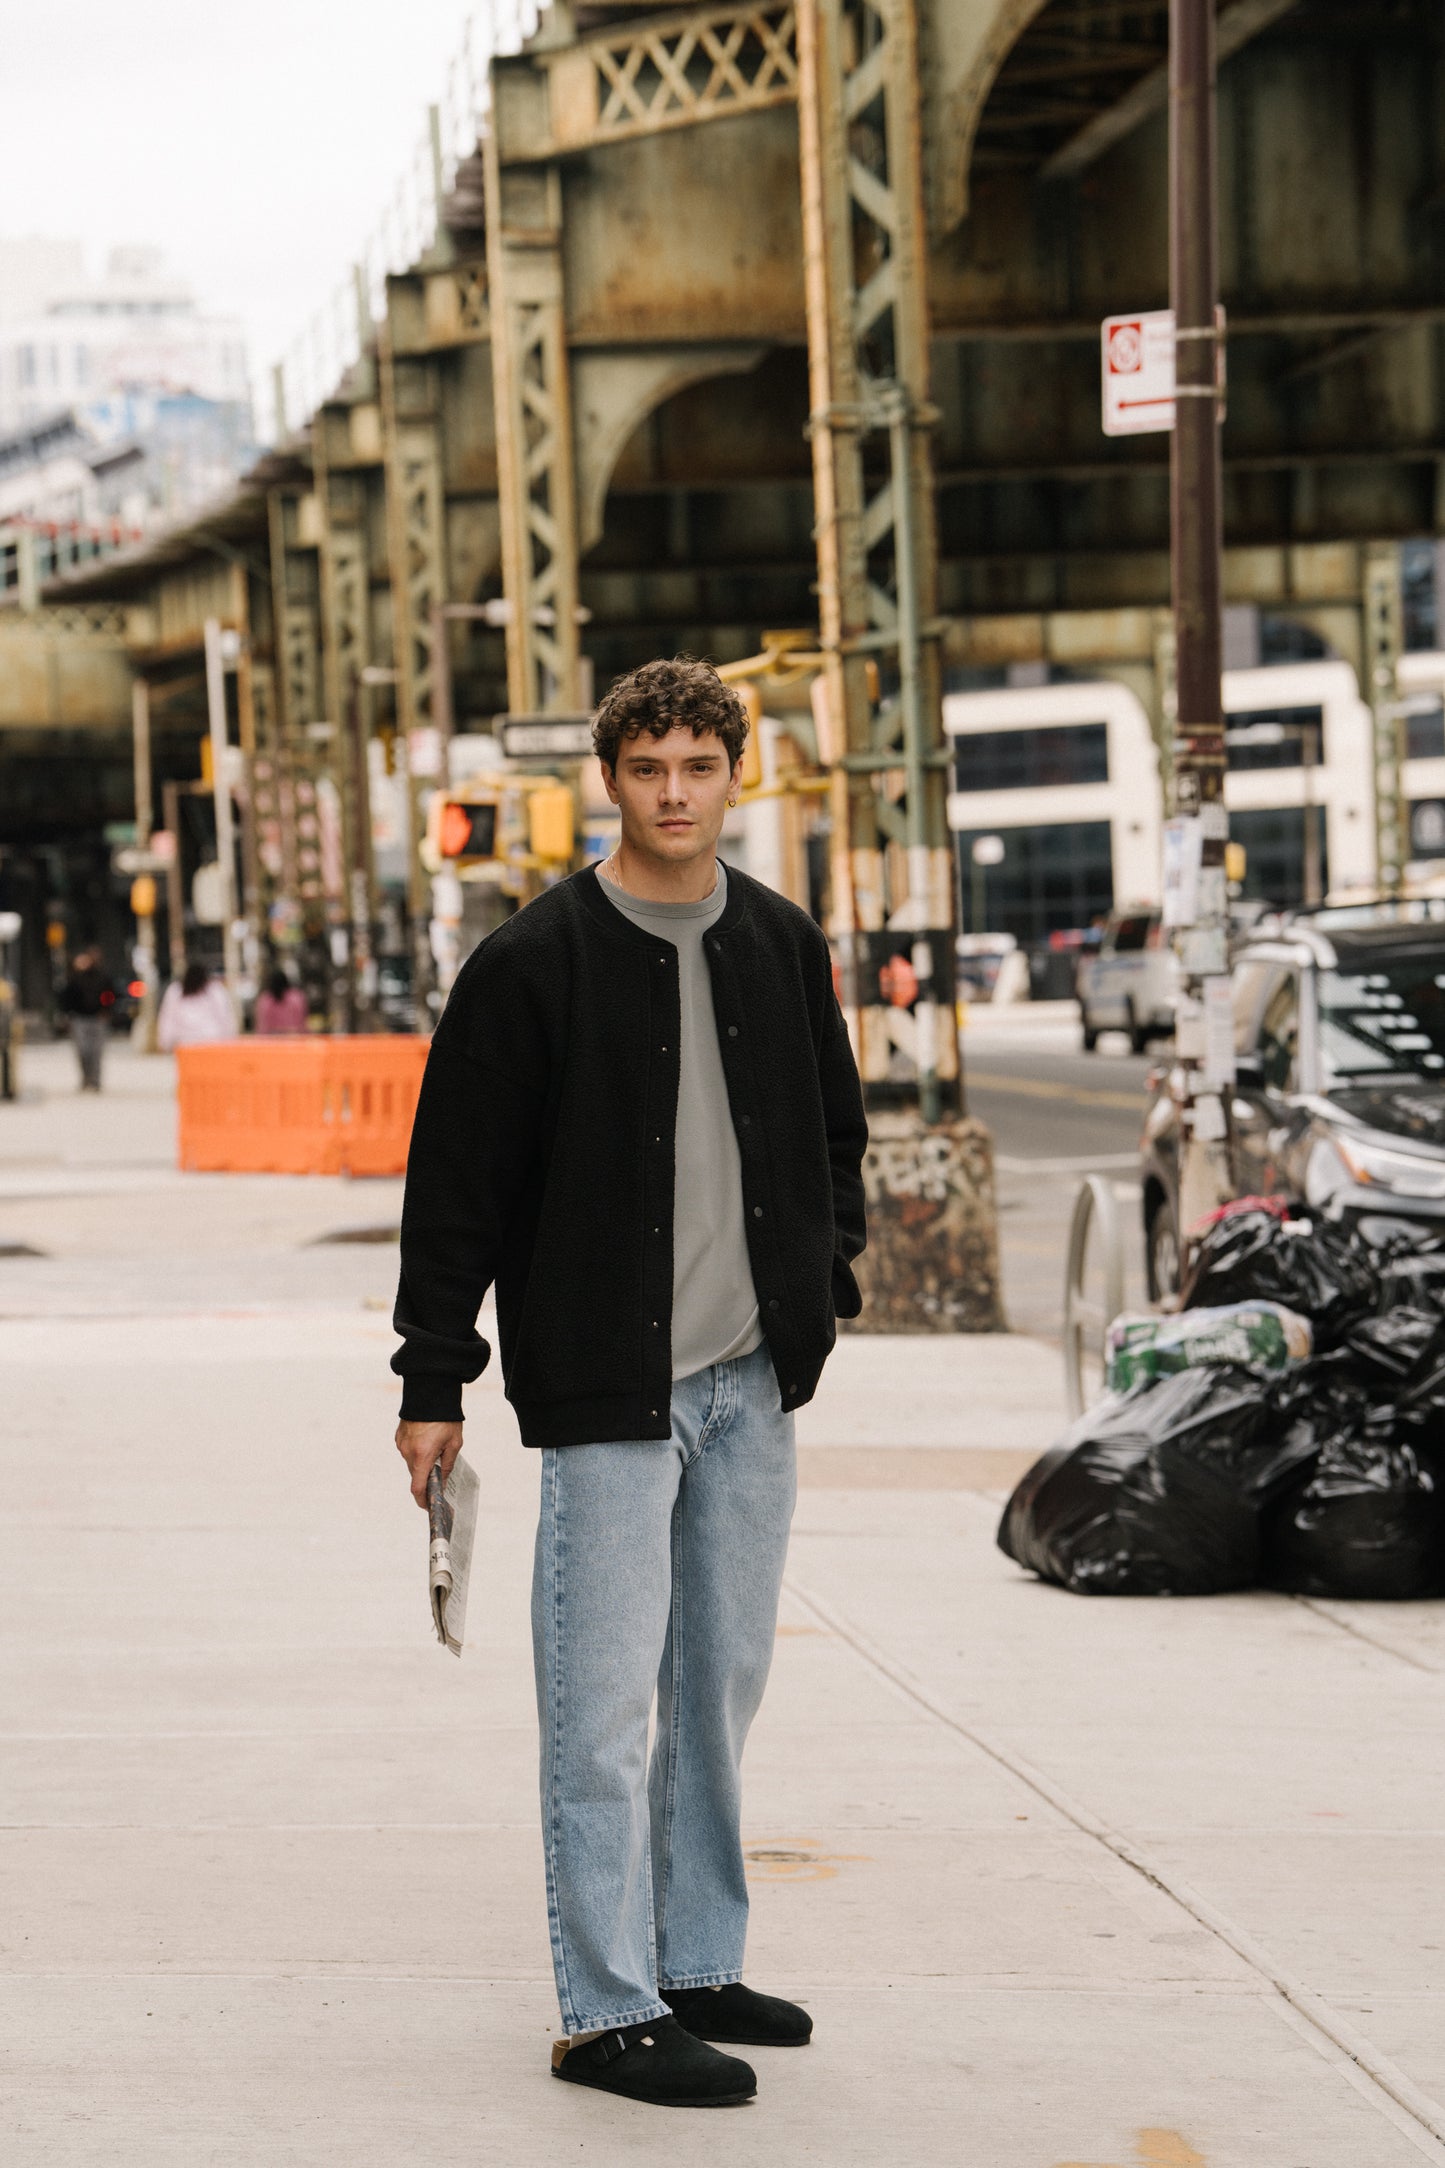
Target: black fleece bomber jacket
x,y
542,1160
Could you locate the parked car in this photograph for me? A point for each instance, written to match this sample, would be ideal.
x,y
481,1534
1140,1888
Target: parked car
x,y
1129,982
1339,1094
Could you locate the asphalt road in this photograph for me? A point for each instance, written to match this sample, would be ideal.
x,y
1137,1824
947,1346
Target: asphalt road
x,y
1056,1115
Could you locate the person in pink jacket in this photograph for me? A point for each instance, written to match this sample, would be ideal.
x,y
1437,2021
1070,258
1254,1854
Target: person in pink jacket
x,y
281,1010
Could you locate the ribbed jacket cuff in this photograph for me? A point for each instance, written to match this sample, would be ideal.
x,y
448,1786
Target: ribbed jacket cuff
x,y
429,1398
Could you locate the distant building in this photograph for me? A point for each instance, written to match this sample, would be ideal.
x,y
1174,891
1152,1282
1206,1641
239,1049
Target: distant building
x,y
130,360
60,472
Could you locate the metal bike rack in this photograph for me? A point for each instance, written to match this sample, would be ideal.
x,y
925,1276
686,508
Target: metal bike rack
x,y
1093,1285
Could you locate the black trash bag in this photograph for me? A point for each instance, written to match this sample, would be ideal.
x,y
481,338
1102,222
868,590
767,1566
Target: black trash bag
x,y
1314,1266
1365,1521
1155,1493
1415,1279
1398,1343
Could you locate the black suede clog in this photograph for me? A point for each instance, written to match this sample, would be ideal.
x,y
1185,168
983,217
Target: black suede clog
x,y
739,2016
658,2062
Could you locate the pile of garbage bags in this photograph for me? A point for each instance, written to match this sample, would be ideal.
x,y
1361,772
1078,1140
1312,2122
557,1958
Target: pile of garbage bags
x,y
1284,1429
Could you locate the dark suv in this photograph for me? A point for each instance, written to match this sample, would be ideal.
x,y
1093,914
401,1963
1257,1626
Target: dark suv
x,y
1339,1097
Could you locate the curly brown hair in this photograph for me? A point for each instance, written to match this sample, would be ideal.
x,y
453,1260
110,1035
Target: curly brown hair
x,y
662,695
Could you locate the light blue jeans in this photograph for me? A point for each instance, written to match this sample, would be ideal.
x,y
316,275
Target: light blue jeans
x,y
657,1572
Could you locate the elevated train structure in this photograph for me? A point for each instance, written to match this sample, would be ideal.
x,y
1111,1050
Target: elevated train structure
x,y
786,315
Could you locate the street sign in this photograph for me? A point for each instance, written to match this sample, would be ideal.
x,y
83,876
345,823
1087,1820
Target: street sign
x,y
545,737
136,862
1138,372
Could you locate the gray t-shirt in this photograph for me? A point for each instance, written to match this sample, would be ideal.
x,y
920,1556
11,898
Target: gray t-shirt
x,y
714,1303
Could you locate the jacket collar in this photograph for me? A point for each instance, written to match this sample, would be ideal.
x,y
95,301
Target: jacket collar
x,y
621,926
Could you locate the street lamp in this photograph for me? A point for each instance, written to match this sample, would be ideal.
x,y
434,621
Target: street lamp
x,y
987,851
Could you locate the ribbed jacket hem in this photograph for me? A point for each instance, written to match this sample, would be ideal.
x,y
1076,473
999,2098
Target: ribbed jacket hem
x,y
430,1398
603,1419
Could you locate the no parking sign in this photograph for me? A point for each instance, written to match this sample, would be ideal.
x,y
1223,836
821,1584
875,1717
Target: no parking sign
x,y
1138,372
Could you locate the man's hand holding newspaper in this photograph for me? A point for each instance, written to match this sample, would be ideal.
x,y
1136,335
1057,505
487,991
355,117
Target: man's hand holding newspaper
x,y
447,1487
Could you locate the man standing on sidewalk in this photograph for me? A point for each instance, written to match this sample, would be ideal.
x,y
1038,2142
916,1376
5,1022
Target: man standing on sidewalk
x,y
87,998
641,1119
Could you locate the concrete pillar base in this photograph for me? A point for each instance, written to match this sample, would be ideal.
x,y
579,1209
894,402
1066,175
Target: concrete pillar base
x,y
932,1259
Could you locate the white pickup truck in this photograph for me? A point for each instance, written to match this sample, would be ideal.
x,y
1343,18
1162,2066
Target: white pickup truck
x,y
1130,982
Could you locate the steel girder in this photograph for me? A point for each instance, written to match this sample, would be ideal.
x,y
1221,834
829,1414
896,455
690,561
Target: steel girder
x,y
867,315
665,72
345,653
416,552
536,472
300,759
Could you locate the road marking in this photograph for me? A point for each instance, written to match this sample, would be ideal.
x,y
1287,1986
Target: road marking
x,y
1088,1163
1153,2149
800,1861
1034,1087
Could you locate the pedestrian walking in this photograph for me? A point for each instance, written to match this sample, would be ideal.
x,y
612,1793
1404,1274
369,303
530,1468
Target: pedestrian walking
x,y
641,1120
281,1010
87,999
195,1011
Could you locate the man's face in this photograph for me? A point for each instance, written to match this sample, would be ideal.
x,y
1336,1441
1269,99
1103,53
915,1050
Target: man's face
x,y
672,793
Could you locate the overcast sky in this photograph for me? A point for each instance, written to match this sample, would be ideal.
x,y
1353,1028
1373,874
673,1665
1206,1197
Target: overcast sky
x,y
255,143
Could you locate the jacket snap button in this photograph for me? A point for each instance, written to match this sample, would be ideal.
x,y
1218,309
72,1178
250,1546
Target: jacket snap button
x,y
773,1305
732,1031
747,1121
757,1211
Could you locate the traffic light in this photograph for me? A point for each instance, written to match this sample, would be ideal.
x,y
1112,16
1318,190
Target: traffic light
x,y
467,831
549,822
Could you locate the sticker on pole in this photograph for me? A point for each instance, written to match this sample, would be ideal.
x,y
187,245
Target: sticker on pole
x,y
1138,373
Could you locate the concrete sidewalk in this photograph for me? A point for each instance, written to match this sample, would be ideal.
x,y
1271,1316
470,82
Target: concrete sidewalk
x,y
1122,1884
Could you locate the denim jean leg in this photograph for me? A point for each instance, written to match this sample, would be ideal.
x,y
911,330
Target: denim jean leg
x,y
730,1541
601,1589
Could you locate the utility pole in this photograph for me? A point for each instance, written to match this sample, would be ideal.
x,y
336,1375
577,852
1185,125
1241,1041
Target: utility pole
x,y
140,716
1196,903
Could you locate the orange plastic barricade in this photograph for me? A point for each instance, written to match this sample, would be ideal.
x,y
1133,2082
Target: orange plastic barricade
x,y
298,1106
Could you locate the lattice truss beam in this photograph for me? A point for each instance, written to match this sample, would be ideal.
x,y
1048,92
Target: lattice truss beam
x,y
870,422
289,838
346,650
415,477
536,478
275,840
671,73
536,330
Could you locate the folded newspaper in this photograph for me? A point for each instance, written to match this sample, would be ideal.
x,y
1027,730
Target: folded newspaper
x,y
452,1510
